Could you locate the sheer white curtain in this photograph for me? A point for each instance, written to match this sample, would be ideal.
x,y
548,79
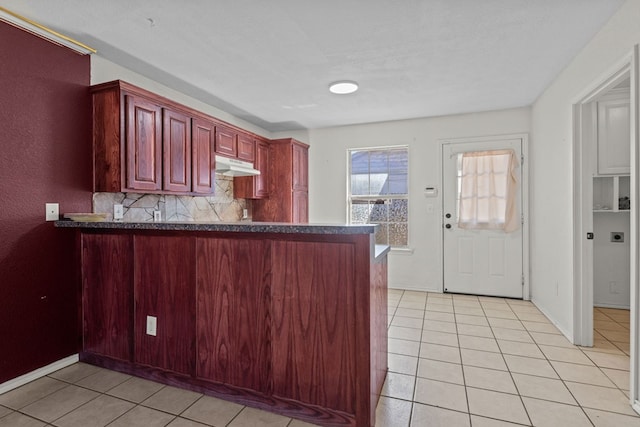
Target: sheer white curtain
x,y
487,191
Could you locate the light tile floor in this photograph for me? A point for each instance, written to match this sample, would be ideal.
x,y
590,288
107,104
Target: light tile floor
x,y
454,360
460,360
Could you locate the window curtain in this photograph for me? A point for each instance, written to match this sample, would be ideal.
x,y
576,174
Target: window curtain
x,y
487,191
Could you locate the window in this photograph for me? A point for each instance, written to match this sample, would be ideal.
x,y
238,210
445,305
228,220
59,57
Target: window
x,y
379,192
487,185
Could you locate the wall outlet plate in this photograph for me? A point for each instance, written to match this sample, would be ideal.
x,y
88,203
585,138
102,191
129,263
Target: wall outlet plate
x,y
52,211
118,212
152,324
157,216
245,213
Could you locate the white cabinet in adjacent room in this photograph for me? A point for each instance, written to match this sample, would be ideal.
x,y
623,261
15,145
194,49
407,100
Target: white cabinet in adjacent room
x,y
614,133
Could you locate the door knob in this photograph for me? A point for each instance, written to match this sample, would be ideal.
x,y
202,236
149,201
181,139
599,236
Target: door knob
x,y
448,226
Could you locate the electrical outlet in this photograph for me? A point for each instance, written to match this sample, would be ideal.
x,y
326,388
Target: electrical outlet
x,y
245,213
52,211
118,212
617,237
152,324
157,216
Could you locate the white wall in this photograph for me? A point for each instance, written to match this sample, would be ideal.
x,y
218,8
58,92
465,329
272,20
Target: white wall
x,y
103,70
551,164
611,276
421,269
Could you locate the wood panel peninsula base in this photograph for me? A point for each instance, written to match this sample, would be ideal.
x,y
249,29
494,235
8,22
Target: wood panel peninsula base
x,y
289,318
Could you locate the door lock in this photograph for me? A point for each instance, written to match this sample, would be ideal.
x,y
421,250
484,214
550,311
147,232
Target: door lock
x,y
448,215
447,226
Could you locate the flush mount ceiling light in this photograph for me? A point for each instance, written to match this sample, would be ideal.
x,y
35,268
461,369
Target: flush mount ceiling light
x,y
343,87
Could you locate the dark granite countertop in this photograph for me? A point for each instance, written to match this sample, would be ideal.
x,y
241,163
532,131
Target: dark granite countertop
x,y
238,227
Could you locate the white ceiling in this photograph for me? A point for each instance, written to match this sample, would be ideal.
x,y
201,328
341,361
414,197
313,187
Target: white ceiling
x,y
270,62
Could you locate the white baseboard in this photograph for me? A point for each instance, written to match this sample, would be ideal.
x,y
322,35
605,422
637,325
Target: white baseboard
x,y
38,373
607,305
566,334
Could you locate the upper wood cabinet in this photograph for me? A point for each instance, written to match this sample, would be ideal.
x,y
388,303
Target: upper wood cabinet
x,y
226,141
246,147
288,183
176,148
143,144
146,143
255,187
203,156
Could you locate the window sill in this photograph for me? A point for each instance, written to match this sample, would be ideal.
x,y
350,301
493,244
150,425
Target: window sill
x,y
402,251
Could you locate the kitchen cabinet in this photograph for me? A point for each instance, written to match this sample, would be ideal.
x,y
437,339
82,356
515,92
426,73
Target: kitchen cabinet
x,y
614,139
226,141
288,183
203,157
176,149
255,187
146,143
246,147
143,144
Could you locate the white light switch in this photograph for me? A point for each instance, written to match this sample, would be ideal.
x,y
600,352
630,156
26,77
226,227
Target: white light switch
x,y
52,211
152,323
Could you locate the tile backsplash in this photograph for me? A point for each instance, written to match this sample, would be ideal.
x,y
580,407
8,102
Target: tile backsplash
x,y
140,207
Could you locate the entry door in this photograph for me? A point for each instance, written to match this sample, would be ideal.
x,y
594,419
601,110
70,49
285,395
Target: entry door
x,y
479,261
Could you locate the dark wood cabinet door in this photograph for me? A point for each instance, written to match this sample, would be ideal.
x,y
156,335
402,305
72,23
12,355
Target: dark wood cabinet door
x,y
203,159
255,187
176,149
107,291
226,141
313,307
246,147
261,182
143,144
164,287
233,295
300,206
300,167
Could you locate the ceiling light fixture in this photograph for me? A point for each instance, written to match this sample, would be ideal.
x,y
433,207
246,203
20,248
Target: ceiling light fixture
x,y
343,87
44,32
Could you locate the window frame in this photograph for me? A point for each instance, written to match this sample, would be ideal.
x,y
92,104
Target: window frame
x,y
389,197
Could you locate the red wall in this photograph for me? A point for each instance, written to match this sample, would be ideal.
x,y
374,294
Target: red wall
x,y
45,156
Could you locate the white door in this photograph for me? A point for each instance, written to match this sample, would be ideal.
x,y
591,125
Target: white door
x,y
480,261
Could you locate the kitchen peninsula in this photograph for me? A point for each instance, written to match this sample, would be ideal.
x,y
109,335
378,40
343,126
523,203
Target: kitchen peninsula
x,y
290,318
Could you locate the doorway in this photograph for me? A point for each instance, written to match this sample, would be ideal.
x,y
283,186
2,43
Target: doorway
x,y
605,197
486,255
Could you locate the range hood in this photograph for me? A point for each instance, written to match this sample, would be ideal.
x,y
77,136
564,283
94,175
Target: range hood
x,y
234,167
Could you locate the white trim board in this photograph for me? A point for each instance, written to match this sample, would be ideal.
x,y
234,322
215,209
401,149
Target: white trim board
x,y
38,373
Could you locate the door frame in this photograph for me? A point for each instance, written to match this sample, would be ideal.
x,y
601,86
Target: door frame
x,y
524,176
583,155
